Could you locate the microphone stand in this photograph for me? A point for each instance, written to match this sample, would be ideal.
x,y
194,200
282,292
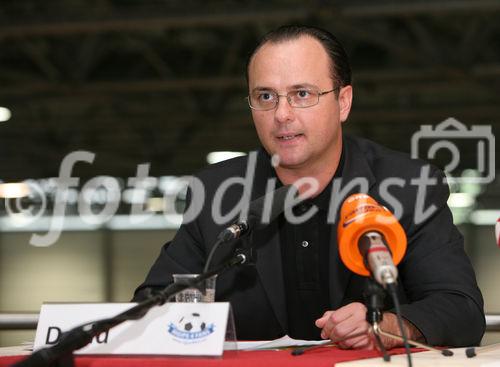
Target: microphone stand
x,y
374,301
61,354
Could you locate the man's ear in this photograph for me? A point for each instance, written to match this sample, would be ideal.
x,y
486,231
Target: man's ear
x,y
345,102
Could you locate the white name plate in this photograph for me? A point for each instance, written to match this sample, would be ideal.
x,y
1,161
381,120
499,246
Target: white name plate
x,y
196,329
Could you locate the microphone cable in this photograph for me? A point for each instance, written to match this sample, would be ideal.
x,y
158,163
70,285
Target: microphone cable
x,y
211,254
391,287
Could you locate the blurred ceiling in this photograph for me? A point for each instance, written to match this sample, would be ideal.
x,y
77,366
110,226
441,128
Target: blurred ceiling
x,y
163,81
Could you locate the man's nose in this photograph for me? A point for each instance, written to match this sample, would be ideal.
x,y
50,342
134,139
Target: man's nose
x,y
284,112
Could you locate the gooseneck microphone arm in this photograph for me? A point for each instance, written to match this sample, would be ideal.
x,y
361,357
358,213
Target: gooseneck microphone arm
x,y
60,354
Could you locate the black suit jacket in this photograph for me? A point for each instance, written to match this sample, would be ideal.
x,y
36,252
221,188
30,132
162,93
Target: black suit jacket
x,y
437,286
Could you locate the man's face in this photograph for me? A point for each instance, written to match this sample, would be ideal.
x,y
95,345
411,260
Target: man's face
x,y
301,137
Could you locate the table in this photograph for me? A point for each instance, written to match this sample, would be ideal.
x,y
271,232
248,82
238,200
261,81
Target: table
x,y
486,358
322,357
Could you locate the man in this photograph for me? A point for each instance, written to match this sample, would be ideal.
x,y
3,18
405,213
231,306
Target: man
x,y
300,93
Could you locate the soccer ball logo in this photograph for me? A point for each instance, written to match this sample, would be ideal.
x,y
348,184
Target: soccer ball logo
x,y
190,328
192,323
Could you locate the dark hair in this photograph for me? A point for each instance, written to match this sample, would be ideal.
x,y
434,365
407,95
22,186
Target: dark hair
x,y
339,62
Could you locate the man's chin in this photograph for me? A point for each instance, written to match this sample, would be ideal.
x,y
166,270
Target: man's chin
x,y
286,158
292,162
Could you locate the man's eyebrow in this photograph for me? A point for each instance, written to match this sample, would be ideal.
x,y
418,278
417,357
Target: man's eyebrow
x,y
304,85
258,88
295,86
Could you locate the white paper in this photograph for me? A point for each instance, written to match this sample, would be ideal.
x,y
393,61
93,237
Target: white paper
x,y
282,342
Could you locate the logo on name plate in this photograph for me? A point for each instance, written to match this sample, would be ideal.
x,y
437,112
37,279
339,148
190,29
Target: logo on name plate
x,y
191,328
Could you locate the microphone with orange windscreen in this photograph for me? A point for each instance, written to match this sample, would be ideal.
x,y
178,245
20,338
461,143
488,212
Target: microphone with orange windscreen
x,y
371,240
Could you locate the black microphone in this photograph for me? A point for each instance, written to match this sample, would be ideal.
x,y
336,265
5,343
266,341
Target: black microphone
x,y
279,204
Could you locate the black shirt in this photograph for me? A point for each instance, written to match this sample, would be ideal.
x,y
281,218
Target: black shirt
x,y
305,254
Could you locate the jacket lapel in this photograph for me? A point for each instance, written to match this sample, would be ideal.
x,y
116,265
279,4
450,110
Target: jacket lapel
x,y
355,166
269,268
266,242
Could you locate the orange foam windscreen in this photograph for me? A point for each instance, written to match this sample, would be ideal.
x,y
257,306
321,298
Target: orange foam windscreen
x,y
360,214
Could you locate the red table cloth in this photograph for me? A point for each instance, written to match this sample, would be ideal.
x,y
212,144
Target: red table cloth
x,y
322,357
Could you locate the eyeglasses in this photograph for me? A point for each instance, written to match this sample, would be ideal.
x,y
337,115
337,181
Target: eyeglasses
x,y
266,100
